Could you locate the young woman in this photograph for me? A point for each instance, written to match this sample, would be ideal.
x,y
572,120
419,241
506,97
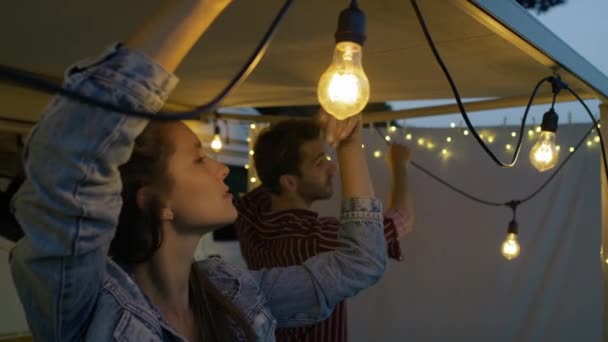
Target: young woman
x,y
113,208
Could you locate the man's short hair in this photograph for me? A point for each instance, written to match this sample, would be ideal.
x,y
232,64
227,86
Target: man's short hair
x,y
277,150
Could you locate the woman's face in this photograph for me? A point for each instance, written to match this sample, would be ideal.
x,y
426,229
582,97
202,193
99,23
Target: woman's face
x,y
198,197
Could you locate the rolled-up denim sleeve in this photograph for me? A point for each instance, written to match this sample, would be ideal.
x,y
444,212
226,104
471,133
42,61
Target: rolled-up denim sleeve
x,y
302,295
69,205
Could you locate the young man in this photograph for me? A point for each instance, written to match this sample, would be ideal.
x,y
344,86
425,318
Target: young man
x,y
276,226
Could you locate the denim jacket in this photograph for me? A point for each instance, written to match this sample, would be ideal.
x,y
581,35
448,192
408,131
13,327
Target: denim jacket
x,y
70,204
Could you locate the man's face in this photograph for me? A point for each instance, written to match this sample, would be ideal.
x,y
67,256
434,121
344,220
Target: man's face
x,y
317,172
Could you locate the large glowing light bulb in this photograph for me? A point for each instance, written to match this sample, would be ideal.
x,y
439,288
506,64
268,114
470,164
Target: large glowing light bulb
x,y
510,247
544,154
343,89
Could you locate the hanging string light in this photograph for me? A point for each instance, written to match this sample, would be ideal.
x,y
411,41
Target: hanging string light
x,y
510,247
543,154
216,143
343,89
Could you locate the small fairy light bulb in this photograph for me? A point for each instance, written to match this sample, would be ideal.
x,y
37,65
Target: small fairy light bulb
x,y
252,126
362,145
408,136
558,147
448,139
465,132
253,179
508,147
453,124
328,158
251,153
510,247
530,133
490,139
420,141
481,136
444,151
248,139
513,134
392,129
571,149
377,154
596,139
387,138
430,145
589,143
246,166
538,129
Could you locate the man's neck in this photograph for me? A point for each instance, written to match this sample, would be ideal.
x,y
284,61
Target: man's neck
x,y
287,202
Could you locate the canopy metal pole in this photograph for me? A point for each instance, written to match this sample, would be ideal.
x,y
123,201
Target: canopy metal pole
x,y
604,208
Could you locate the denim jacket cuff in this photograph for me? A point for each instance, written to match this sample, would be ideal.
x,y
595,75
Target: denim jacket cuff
x,y
130,70
358,209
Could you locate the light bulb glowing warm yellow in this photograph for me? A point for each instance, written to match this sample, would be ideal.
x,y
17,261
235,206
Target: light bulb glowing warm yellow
x,y
343,89
513,134
544,154
408,136
252,126
466,132
571,149
377,154
253,179
246,166
490,139
387,138
420,141
452,124
530,133
510,247
448,139
596,139
216,143
392,128
538,129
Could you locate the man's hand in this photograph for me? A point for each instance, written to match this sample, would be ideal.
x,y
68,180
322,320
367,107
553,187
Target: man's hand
x,y
341,132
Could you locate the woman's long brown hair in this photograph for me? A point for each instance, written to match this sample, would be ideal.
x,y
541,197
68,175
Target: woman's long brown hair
x,y
138,236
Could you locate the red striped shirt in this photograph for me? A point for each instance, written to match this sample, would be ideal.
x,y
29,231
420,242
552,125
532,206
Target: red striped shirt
x,y
290,237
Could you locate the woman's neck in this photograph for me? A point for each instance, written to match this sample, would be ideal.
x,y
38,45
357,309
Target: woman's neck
x,y
165,277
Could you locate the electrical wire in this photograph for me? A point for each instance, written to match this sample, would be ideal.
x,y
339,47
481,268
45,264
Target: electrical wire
x,y
33,81
458,99
494,203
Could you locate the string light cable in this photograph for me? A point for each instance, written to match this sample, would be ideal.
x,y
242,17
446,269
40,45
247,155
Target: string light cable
x,y
36,82
556,84
509,204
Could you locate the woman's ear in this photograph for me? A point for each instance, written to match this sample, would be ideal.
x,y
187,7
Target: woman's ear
x,y
146,197
166,214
